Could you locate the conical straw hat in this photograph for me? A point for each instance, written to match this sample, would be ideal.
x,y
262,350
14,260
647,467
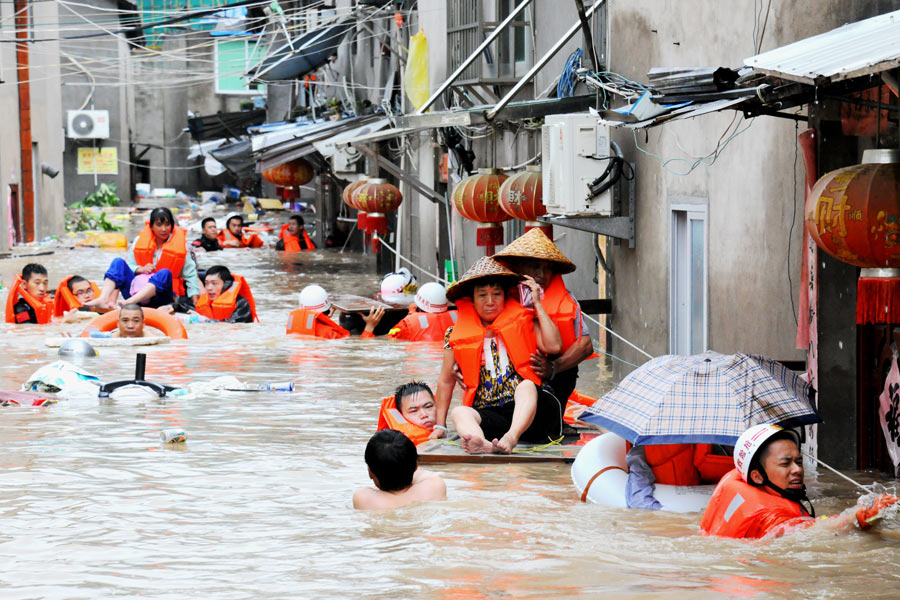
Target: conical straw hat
x,y
485,268
536,245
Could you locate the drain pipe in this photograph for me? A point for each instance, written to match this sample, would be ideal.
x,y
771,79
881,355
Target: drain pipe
x,y
26,150
489,115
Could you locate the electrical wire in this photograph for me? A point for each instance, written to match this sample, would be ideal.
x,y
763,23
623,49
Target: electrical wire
x,y
409,262
793,221
569,78
616,335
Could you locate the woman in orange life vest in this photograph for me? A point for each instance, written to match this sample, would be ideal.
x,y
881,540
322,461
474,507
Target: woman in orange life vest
x,y
293,236
492,342
160,251
411,411
27,300
430,321
311,318
233,234
227,298
535,255
763,495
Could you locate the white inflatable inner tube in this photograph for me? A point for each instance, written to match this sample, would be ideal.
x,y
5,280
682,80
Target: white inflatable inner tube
x,y
600,468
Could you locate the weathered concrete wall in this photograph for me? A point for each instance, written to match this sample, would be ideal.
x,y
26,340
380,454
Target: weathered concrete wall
x,y
94,78
46,123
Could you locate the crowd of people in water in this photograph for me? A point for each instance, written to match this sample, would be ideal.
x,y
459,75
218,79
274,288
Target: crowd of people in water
x,y
513,344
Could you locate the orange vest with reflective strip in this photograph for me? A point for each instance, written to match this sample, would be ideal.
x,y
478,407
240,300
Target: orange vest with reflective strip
x,y
65,300
251,241
172,257
563,311
391,418
740,510
310,322
423,326
514,325
292,242
222,307
43,309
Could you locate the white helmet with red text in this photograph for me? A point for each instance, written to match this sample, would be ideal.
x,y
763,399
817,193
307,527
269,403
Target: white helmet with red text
x,y
315,298
751,441
432,298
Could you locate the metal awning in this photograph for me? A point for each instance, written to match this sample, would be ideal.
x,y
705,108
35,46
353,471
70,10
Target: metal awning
x,y
329,146
528,109
285,145
856,49
225,124
303,54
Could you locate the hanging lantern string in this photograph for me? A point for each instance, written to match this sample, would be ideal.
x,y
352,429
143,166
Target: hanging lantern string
x,y
409,262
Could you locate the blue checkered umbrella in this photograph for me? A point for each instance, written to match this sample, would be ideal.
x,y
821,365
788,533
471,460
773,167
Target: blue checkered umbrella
x,y
707,398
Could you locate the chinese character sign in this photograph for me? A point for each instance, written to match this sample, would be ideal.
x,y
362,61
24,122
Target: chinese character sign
x,y
889,411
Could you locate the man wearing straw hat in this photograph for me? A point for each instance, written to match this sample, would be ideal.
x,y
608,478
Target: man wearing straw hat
x,y
536,256
492,343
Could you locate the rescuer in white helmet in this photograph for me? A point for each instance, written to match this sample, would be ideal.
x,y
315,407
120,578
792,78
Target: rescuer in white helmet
x,y
311,318
428,317
764,495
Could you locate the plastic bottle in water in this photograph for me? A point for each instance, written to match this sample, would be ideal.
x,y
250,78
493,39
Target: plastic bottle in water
x,y
277,386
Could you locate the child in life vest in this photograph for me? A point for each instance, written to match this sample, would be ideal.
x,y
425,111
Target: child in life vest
x,y
393,467
492,343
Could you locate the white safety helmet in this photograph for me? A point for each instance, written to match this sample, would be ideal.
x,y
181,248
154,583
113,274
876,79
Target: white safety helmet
x,y
315,298
432,298
751,441
393,284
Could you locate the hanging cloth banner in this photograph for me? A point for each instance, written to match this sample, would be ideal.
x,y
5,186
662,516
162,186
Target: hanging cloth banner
x,y
416,76
889,411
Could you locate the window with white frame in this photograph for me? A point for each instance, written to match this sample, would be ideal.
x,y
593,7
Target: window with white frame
x,y
688,280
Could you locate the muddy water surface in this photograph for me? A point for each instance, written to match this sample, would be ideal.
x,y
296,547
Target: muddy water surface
x,y
257,503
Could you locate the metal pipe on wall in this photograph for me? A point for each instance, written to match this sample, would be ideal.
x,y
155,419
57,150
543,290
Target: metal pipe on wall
x,y
489,115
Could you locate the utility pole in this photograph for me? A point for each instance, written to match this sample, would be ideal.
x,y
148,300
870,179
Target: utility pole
x,y
22,22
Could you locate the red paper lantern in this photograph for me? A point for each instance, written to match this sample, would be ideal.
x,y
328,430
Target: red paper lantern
x,y
375,197
347,197
853,214
290,174
477,198
520,197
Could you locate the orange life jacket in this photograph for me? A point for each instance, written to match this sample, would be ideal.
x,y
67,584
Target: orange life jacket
x,y
391,418
222,307
563,311
514,325
65,300
172,257
310,322
43,308
292,242
740,510
246,241
423,326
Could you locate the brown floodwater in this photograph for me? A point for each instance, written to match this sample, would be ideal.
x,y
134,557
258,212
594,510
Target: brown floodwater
x,y
257,503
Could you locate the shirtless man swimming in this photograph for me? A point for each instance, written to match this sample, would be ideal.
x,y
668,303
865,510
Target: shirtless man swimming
x,y
392,460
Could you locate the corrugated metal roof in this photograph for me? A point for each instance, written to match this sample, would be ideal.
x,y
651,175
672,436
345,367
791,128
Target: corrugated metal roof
x,y
856,49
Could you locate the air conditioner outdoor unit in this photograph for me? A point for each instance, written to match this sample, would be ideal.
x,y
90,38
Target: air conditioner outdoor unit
x,y
575,153
344,160
88,124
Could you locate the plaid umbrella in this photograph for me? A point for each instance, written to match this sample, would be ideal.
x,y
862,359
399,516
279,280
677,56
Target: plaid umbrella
x,y
707,398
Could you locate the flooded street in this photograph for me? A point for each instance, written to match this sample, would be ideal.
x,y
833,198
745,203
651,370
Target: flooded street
x,y
257,503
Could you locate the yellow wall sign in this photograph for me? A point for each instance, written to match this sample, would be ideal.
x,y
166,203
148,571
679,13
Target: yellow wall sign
x,y
100,161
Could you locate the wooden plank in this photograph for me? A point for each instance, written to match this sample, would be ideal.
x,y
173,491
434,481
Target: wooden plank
x,y
353,303
443,451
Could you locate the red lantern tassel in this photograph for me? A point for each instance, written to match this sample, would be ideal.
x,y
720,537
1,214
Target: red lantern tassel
x,y
878,300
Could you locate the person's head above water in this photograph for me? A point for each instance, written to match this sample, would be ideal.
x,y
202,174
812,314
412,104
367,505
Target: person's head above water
x,y
217,280
80,288
131,321
415,401
35,277
314,298
767,455
208,228
485,284
161,223
295,224
431,297
392,460
235,224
